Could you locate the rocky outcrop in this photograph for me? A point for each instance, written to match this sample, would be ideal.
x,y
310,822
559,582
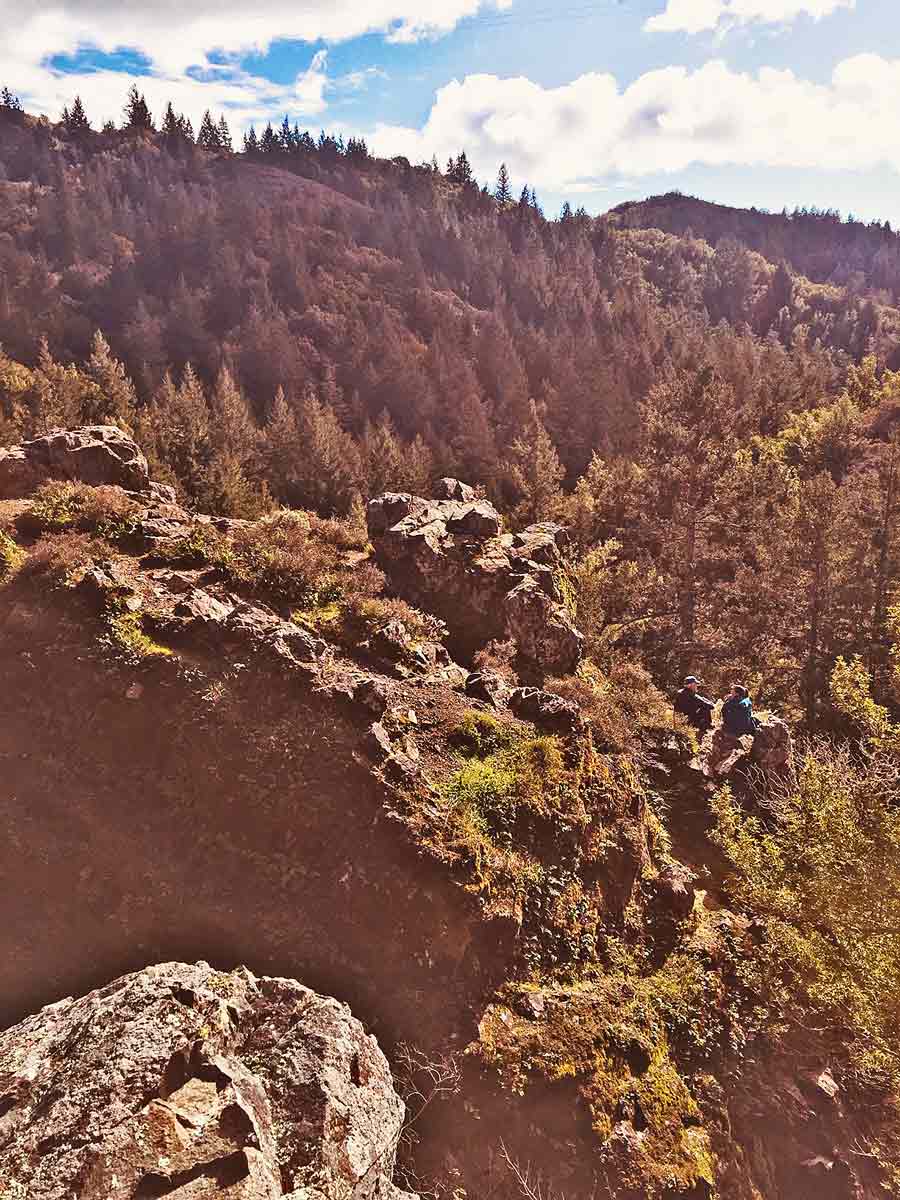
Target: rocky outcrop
x,y
451,557
767,758
182,1081
96,454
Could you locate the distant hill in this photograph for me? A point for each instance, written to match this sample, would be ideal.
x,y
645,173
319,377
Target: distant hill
x,y
816,243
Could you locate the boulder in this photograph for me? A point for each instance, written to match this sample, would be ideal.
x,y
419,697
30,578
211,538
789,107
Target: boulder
x,y
448,556
489,687
452,489
96,454
766,759
546,710
186,1082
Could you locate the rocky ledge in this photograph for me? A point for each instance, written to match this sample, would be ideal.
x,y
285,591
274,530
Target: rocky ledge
x,y
183,1081
449,555
95,454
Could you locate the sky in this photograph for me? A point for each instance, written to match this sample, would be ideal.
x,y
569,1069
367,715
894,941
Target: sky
x,y
772,103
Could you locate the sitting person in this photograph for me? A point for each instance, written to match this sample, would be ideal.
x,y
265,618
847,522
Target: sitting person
x,y
737,713
692,706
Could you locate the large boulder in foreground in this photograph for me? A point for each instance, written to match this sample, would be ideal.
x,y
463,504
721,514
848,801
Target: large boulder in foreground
x,y
95,454
182,1081
449,556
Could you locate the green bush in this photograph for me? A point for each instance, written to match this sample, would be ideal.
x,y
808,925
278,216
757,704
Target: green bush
x,y
282,559
12,556
482,733
60,505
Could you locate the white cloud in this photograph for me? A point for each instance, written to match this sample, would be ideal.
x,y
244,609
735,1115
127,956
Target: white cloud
x,y
666,120
177,34
193,48
698,16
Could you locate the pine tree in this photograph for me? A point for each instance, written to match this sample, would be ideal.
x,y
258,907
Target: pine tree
x,y
503,191
535,473
251,142
170,127
208,137
280,447
224,132
286,136
76,120
459,170
137,114
117,401
269,143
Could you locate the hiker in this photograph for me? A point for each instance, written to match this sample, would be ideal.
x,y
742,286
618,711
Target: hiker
x,y
692,706
737,713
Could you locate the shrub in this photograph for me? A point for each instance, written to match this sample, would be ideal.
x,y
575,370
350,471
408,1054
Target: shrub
x,y
60,505
823,881
279,558
61,559
127,635
482,733
56,506
618,703
108,512
365,614
12,556
204,546
499,658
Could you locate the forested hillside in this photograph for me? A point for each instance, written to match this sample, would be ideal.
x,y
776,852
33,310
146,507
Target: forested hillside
x,y
817,243
303,324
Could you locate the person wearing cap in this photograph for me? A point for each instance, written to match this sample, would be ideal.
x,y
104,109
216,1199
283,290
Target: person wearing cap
x,y
737,713
692,706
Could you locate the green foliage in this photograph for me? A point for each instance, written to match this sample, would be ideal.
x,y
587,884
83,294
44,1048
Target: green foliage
x,y
608,1035
823,881
482,733
12,556
61,505
127,635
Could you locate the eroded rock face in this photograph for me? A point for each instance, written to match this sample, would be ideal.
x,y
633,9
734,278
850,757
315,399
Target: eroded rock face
x,y
182,1081
95,454
449,556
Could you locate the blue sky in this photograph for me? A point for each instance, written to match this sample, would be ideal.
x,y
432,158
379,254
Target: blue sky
x,y
765,102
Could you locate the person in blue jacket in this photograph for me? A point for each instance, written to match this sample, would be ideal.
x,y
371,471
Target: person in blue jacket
x,y
737,713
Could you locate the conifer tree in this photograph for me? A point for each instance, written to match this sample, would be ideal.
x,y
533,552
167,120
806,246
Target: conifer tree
x,y
280,447
137,114
286,136
75,120
503,191
225,141
269,143
116,400
208,135
170,128
251,142
535,473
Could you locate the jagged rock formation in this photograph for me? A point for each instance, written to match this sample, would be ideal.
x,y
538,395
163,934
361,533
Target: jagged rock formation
x,y
186,1082
449,556
95,454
